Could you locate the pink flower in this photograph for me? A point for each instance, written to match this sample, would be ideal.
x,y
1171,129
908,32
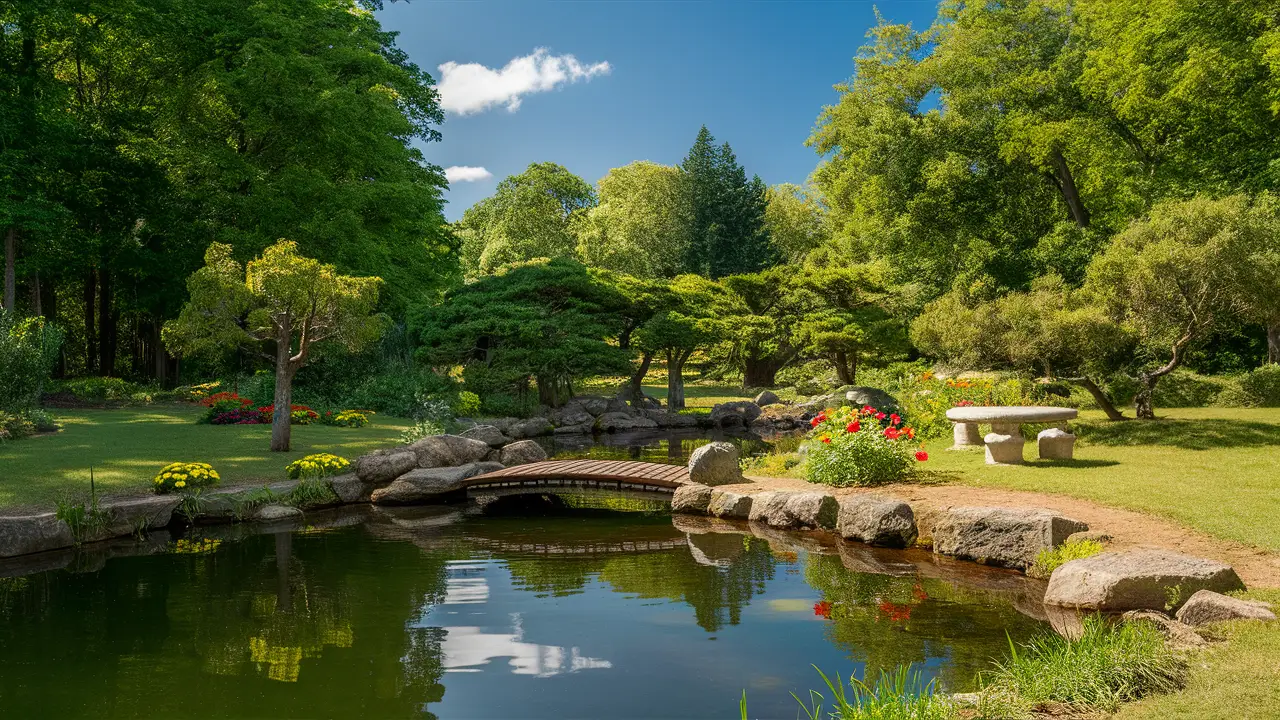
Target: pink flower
x,y
879,416
894,419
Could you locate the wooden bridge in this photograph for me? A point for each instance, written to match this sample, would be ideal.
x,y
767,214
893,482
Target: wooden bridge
x,y
582,477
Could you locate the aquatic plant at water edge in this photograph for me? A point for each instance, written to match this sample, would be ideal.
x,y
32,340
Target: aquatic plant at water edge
x,y
83,519
898,695
1106,666
849,446
311,492
181,476
1050,559
317,466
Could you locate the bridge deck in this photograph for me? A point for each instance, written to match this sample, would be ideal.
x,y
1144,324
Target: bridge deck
x,y
629,471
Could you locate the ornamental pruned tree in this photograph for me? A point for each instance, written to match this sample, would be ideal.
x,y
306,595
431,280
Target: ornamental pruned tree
x,y
282,304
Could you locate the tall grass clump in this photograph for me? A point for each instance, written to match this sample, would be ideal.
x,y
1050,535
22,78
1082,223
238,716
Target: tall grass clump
x,y
898,695
1051,559
1106,666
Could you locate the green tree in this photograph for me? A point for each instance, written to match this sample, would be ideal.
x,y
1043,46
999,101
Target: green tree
x,y
643,223
531,215
692,320
848,319
282,298
764,323
728,234
545,320
795,220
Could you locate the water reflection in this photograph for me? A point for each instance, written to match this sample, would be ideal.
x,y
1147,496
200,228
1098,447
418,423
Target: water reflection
x,y
415,613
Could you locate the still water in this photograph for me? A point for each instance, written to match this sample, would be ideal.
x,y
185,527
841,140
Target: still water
x,y
422,613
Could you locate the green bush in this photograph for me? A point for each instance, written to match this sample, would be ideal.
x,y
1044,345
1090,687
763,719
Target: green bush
x,y
28,351
1183,388
810,378
925,399
1107,665
468,403
1051,559
851,447
1256,388
103,389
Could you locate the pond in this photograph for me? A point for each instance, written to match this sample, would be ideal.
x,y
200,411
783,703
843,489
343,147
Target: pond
x,y
425,612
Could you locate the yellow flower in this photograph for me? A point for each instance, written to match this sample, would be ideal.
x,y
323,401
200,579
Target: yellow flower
x,y
180,483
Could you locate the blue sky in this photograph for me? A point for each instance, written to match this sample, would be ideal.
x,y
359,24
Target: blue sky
x,y
756,73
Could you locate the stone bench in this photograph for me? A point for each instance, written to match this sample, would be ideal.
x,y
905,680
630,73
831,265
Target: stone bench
x,y
1004,443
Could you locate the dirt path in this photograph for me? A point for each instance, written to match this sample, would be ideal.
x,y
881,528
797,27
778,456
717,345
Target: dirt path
x,y
1258,568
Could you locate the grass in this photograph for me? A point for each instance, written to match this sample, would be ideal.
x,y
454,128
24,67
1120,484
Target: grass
x,y
1049,559
901,695
1106,666
126,447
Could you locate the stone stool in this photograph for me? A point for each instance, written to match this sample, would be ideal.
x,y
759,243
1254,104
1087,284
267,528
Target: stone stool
x,y
966,435
1004,449
1056,444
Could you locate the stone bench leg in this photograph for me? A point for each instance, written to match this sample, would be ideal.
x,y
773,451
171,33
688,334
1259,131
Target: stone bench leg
x,y
966,435
1056,444
1004,449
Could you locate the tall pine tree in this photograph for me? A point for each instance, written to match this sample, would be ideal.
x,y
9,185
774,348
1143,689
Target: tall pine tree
x,y
729,235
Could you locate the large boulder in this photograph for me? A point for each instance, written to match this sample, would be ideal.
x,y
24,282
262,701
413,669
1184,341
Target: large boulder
x,y
487,434
666,418
769,508
1011,537
737,413
426,484
349,489
875,397
817,510
522,452
1137,580
32,534
571,416
877,520
767,397
448,450
127,515
594,405
725,504
715,464
582,429
530,428
1207,606
691,498
647,402
379,468
616,421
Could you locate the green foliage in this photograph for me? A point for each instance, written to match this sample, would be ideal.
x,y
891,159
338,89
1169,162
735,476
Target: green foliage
x,y
900,695
1258,388
643,225
85,520
99,390
318,465
926,399
310,493
467,404
15,426
1050,559
795,220
852,447
1183,388
728,234
28,352
345,418
1107,665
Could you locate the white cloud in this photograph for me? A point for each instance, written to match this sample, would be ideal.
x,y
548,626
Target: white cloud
x,y
463,173
473,88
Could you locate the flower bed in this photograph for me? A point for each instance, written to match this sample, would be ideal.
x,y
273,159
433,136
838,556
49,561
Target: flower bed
x,y
346,418
185,476
864,446
317,466
298,414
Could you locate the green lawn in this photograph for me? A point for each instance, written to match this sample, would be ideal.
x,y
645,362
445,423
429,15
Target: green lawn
x,y
126,448
1215,469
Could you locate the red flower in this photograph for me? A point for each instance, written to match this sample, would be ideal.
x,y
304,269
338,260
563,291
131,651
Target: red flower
x,y
922,455
894,419
911,434
892,433
918,592
879,416
814,422
868,409
826,440
853,427
822,609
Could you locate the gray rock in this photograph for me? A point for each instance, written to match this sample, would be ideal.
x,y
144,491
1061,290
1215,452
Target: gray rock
x,y
769,508
1177,633
530,428
378,468
271,513
487,434
767,397
522,452
1207,606
715,464
349,489
875,397
571,416
583,429
1136,580
666,418
691,498
811,510
716,549
425,484
23,535
614,421
725,504
594,405
1011,537
877,520
648,402
127,514
737,413
503,424
448,451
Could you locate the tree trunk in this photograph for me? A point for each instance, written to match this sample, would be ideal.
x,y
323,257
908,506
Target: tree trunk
x,y
10,271
157,344
549,391
675,378
1100,398
106,324
280,428
1070,193
635,386
1142,402
1273,341
846,368
90,335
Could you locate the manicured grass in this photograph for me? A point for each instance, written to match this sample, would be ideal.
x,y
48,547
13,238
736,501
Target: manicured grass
x,y
1214,469
701,395
126,448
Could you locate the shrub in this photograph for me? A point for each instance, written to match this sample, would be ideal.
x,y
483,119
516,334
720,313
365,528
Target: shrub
x,y
397,390
223,403
468,403
421,429
28,351
185,476
298,414
1183,388
1256,388
346,418
864,446
925,399
197,393
1107,665
317,466
1050,559
240,416
15,426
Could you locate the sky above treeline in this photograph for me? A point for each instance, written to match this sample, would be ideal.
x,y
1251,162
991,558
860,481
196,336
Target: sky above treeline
x,y
596,85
